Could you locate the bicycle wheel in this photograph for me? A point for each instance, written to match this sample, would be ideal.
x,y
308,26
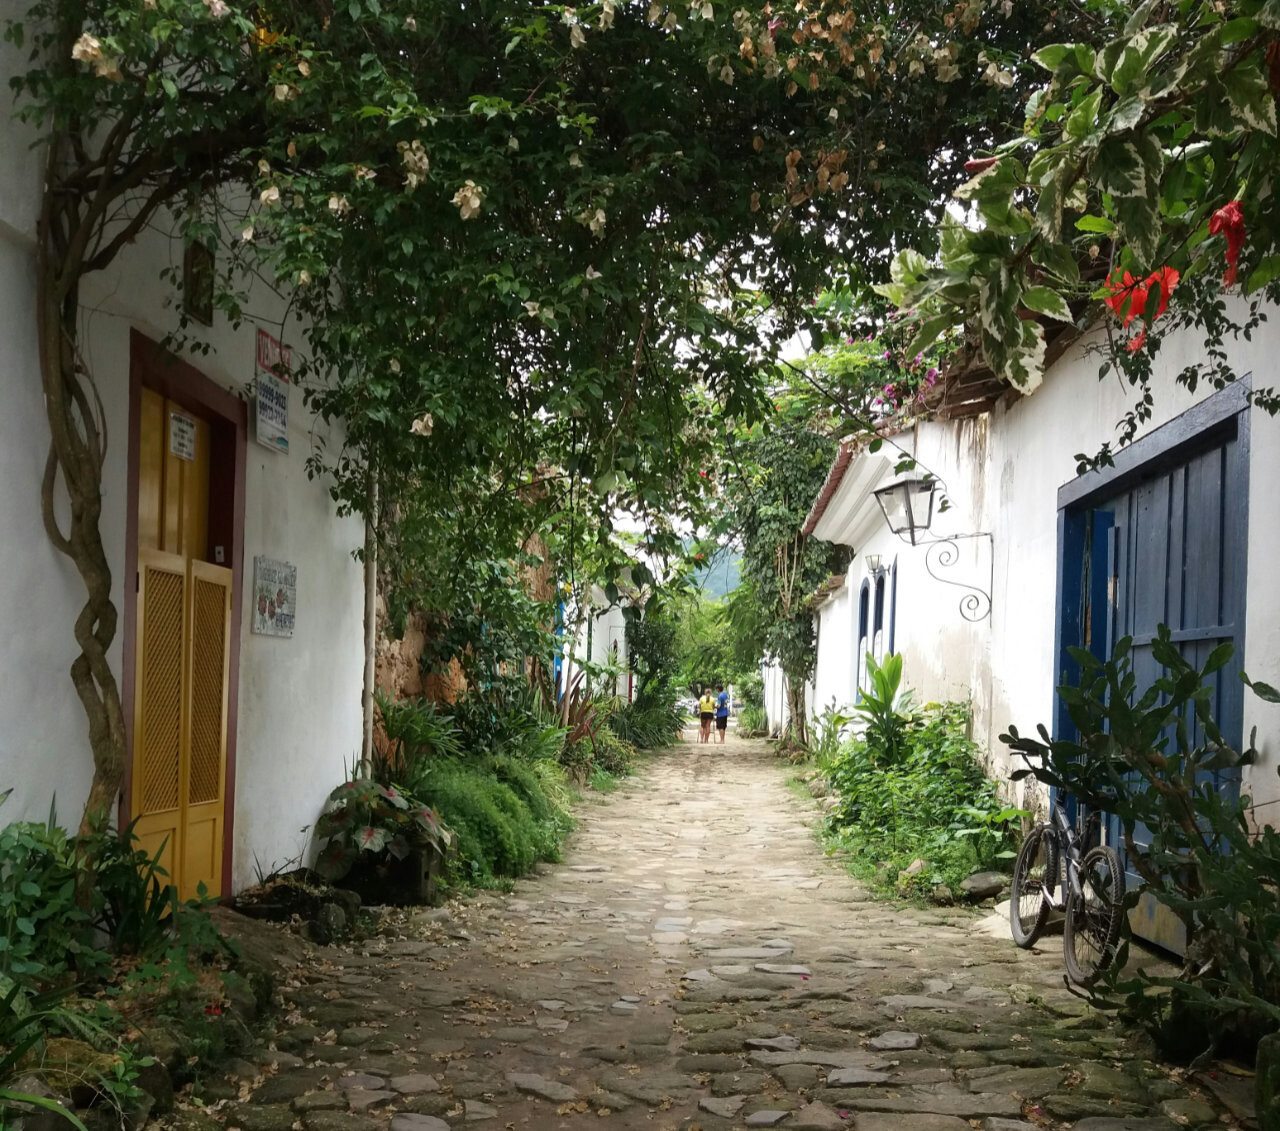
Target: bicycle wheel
x,y
1034,875
1094,920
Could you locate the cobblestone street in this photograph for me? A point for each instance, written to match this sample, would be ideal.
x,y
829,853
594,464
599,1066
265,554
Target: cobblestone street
x,y
696,961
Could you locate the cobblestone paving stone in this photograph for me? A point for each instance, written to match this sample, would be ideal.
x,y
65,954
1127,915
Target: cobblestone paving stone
x,y
697,962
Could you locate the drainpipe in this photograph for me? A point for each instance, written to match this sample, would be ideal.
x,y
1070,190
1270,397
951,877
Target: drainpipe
x,y
370,618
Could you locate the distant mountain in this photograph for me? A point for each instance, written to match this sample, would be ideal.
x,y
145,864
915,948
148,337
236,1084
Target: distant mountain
x,y
720,576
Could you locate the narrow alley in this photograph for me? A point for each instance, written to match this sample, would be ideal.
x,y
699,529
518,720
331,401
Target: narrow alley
x,y
696,961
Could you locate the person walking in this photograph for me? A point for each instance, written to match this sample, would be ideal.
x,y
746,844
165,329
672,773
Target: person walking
x,y
722,711
706,712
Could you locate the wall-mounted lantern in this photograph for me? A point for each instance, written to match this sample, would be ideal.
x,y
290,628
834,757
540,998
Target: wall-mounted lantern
x,y
908,509
908,506
873,564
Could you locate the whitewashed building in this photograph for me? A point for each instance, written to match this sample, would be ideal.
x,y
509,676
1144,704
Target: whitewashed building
x,y
601,641
240,720
1029,557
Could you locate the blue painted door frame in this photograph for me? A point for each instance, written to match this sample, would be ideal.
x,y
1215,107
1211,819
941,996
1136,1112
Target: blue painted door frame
x,y
1161,538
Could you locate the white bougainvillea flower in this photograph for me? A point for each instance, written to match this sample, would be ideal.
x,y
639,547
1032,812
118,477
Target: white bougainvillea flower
x,y
269,196
655,12
726,74
592,273
246,233
292,149
468,199
513,142
410,24
363,173
87,49
576,36
532,307
339,205
416,164
569,16
423,425
304,278
575,161
593,218
670,22
304,68
264,167
606,14
217,8
284,92
394,365
108,67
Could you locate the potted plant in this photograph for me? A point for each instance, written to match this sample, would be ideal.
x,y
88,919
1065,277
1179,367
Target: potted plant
x,y
379,842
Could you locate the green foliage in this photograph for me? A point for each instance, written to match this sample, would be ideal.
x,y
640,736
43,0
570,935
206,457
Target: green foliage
x,y
1147,155
1152,756
44,935
414,729
137,901
826,738
363,816
781,470
647,728
885,710
498,832
752,722
612,754
934,802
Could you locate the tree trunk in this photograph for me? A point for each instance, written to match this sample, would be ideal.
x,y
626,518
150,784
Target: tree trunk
x,y
799,720
76,452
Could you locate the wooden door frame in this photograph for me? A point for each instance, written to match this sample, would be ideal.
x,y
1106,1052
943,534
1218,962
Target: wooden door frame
x,y
153,367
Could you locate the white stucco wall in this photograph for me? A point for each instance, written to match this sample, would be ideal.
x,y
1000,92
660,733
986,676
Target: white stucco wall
x,y
299,699
607,634
1033,448
1002,475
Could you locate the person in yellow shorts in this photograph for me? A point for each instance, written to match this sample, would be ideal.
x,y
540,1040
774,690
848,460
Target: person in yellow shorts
x,y
706,712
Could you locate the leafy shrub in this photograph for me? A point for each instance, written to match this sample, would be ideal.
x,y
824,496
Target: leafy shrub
x,y
497,830
414,729
1148,756
363,816
934,802
826,737
752,722
647,728
44,934
611,754
136,901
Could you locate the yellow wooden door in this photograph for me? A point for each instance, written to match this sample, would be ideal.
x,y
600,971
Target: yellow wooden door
x,y
182,653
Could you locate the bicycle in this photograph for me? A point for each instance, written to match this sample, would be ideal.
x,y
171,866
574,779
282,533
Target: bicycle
x,y
1094,900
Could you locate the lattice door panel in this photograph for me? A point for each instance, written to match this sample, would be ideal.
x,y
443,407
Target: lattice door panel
x,y
159,701
210,636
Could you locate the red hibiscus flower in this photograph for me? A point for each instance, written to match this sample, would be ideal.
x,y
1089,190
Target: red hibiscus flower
x,y
1228,222
1128,297
1167,278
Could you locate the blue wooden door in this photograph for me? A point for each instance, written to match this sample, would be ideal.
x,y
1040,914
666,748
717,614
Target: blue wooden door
x,y
1165,543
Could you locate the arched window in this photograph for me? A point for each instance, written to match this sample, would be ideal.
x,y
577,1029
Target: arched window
x,y
877,623
860,664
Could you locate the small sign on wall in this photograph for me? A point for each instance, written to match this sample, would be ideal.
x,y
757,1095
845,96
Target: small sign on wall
x,y
271,373
182,436
275,595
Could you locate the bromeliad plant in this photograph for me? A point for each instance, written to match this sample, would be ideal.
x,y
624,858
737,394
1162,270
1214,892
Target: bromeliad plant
x,y
363,816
